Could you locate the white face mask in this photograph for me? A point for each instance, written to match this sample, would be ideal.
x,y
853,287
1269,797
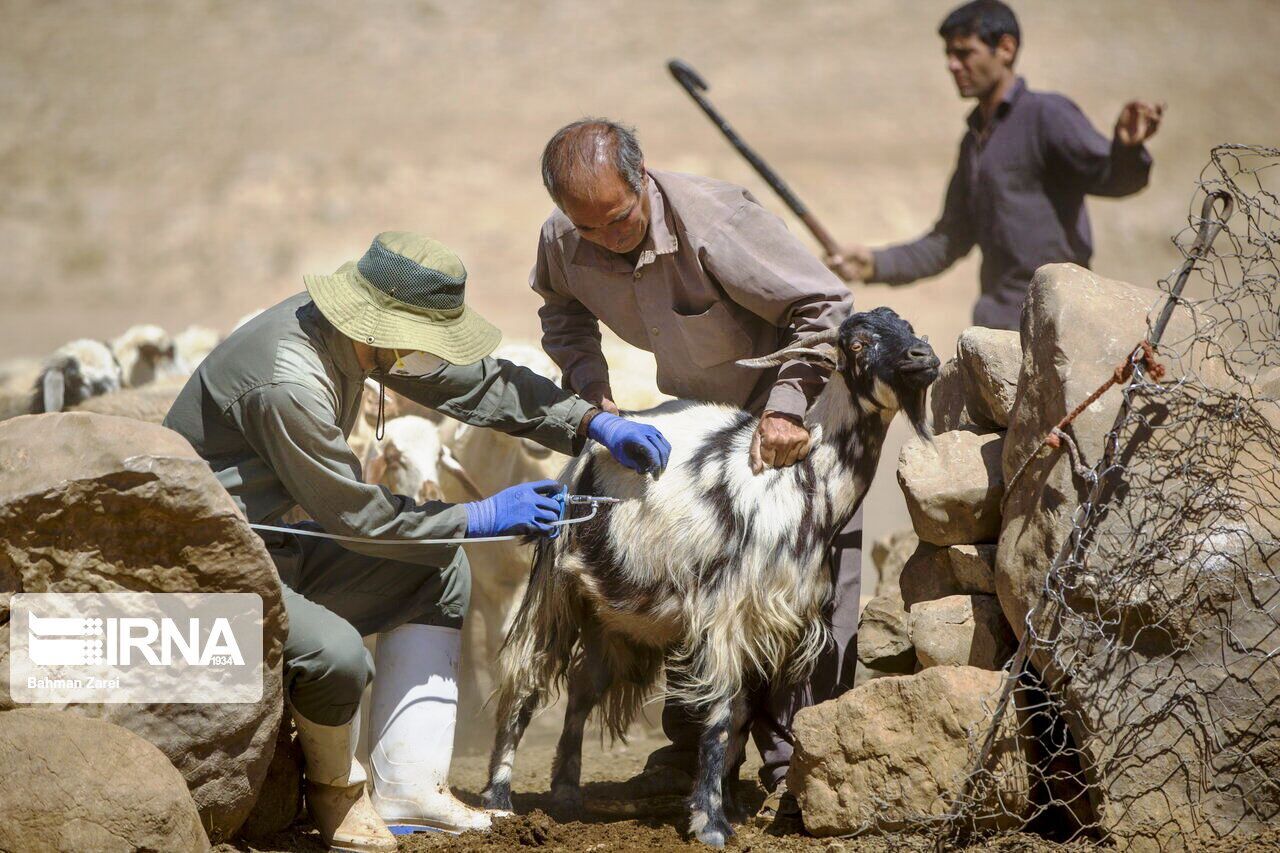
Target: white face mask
x,y
416,364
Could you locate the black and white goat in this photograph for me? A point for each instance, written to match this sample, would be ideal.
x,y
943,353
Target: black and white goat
x,y
713,570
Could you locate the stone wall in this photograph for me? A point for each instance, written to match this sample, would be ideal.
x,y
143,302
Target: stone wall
x,y
894,752
1157,730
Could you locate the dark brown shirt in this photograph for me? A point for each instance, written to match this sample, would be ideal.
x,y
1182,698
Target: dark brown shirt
x,y
1018,193
719,278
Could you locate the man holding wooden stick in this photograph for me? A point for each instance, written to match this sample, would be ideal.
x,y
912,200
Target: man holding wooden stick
x,y
1026,163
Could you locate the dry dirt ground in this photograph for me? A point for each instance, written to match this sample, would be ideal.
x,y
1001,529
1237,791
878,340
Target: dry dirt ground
x,y
540,826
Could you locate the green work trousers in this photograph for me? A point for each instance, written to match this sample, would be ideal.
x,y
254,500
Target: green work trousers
x,y
334,597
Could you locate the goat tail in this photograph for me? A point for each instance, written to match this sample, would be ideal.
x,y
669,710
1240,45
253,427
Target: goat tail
x,y
535,655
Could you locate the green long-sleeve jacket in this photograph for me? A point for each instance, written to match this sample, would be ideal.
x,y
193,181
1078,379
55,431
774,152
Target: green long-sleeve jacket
x,y
271,407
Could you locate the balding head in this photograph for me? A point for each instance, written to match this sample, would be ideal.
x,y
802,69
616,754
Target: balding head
x,y
589,152
594,171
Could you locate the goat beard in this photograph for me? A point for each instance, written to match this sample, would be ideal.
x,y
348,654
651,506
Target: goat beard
x,y
913,407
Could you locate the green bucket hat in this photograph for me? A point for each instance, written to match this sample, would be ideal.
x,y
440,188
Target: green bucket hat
x,y
406,293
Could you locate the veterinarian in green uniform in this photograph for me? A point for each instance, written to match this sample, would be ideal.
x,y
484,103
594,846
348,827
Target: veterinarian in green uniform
x,y
270,409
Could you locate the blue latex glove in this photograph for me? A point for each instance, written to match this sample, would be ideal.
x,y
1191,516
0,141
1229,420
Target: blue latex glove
x,y
638,446
523,509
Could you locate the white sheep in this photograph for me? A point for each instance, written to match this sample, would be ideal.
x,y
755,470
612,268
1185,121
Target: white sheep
x,y
75,372
145,352
408,459
492,461
149,403
475,463
191,346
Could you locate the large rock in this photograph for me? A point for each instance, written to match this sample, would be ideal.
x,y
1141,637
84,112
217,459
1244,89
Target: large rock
x,y
953,486
932,572
894,754
71,783
90,503
1077,328
990,360
884,636
1159,643
961,630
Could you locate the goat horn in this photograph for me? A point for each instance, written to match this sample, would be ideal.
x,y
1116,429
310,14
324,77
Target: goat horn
x,y
808,345
830,336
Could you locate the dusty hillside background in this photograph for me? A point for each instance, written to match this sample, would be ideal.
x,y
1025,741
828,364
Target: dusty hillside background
x,y
186,162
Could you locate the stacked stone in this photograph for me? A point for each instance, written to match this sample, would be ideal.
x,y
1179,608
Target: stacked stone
x,y
894,752
884,644
943,609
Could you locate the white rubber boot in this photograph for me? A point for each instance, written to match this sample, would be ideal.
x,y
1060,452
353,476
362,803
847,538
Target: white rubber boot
x,y
336,798
411,722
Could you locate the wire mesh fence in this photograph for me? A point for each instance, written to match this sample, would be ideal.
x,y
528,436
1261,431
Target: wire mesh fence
x,y
1145,692
1142,707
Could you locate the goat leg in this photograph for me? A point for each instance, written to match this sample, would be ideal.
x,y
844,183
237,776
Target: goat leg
x,y
739,730
588,678
512,719
707,821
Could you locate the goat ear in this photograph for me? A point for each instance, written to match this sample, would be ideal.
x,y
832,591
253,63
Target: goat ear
x,y
823,356
54,387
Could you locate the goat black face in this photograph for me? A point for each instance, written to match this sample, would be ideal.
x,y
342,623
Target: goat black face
x,y
885,363
879,357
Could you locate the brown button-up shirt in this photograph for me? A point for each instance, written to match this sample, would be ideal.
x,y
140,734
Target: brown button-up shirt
x,y
719,278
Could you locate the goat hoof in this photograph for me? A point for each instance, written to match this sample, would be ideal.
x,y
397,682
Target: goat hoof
x,y
712,830
497,798
713,837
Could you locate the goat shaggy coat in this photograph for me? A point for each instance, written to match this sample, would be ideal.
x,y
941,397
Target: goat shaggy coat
x,y
716,571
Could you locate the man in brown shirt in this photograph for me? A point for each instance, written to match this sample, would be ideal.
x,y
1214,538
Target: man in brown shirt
x,y
696,272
